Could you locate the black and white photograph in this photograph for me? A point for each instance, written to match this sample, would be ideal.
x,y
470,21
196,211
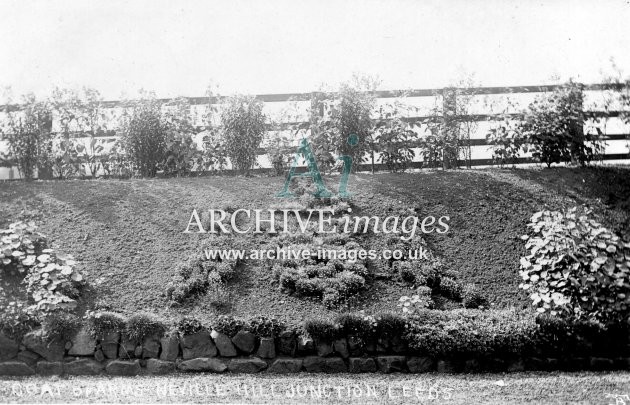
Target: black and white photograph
x,y
315,202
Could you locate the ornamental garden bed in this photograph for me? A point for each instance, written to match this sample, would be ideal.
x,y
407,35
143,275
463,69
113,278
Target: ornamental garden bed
x,y
132,257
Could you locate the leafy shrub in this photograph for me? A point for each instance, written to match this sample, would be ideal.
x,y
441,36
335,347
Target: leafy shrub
x,y
473,298
243,127
390,325
143,136
321,329
280,152
51,279
20,243
576,267
29,136
140,326
189,326
263,326
450,288
506,142
102,323
181,154
394,139
336,116
228,325
553,126
61,326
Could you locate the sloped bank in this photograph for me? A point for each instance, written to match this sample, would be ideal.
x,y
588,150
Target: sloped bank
x,y
515,347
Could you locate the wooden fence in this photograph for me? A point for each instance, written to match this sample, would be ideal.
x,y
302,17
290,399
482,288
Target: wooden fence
x,y
513,91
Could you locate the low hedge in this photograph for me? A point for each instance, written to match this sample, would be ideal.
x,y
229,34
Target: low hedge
x,y
462,333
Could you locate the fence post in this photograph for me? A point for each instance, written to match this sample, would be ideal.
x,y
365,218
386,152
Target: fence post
x,y
450,128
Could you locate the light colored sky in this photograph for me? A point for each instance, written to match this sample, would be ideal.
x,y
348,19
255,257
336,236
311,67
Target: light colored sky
x,y
275,46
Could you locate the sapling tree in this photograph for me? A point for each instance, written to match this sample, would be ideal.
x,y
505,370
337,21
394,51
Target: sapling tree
x,y
242,129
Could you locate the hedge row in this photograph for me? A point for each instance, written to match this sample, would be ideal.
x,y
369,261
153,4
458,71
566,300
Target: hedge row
x,y
438,334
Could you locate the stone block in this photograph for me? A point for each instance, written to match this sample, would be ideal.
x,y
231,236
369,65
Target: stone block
x,y
155,366
83,344
198,345
123,367
28,357
420,364
362,365
391,364
151,348
111,343
267,348
83,367
170,347
50,350
203,364
245,341
8,348
49,367
285,366
250,365
15,368
224,344
287,343
340,346
316,364
324,348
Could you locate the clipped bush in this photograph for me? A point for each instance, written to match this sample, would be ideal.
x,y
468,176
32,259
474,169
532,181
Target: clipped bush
x,y
140,326
331,298
473,298
228,325
452,334
406,271
289,277
263,326
321,329
189,325
196,277
104,322
351,283
309,287
61,326
357,325
389,325
243,127
576,267
450,288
